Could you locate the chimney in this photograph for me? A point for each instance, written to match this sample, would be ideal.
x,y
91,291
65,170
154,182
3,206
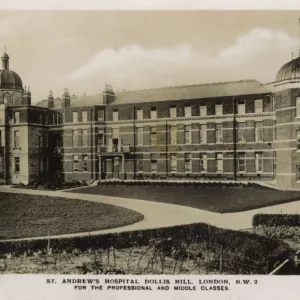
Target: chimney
x,y
65,99
108,94
26,97
50,100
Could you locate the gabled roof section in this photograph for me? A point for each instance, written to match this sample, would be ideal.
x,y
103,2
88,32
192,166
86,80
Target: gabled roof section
x,y
187,92
176,93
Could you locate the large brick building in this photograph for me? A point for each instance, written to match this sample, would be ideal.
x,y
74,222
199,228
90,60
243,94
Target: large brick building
x,y
240,130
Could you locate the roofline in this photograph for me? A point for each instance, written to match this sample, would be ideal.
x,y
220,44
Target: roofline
x,y
191,85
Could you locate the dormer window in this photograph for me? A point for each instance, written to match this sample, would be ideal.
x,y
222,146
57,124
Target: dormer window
x,y
153,112
219,109
187,111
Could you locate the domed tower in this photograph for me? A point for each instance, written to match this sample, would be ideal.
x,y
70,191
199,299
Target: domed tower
x,y
286,89
11,87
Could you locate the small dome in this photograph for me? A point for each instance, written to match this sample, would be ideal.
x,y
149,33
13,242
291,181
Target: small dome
x,y
290,70
8,78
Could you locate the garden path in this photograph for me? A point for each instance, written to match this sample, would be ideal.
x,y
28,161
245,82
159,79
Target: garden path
x,y
163,214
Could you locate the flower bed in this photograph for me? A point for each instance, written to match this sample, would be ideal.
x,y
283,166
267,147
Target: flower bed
x,y
172,250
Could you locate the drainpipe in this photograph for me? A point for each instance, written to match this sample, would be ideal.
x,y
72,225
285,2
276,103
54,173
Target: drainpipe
x,y
134,143
167,140
234,140
92,137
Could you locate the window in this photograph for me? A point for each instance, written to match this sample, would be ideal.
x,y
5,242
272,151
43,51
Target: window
x,y
219,133
41,118
203,162
153,135
0,138
274,103
57,119
241,108
241,132
274,130
17,139
153,158
39,136
188,162
139,163
259,136
153,112
53,119
139,114
16,117
241,162
258,106
173,111
274,162
187,134
115,115
115,133
100,140
75,117
298,139
1,164
8,99
258,162
100,115
203,110
173,158
219,164
75,163
173,135
40,164
85,163
203,134
84,137
17,164
84,116
187,111
75,138
219,109
140,135
298,106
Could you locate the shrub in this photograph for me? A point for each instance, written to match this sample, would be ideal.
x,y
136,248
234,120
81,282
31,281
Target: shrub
x,y
275,220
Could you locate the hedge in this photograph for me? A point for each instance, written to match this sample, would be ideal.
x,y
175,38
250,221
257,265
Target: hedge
x,y
242,243
274,220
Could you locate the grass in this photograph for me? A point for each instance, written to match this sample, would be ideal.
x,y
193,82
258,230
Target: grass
x,y
31,216
223,199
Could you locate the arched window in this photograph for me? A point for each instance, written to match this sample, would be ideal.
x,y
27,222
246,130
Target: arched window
x,y
7,99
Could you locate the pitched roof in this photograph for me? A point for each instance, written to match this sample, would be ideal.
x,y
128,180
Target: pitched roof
x,y
185,92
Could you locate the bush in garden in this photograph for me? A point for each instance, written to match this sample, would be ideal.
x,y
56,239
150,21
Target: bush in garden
x,y
275,220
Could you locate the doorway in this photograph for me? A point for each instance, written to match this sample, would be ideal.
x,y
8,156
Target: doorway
x,y
116,167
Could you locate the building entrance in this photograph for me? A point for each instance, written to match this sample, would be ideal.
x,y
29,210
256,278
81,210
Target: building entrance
x,y
116,167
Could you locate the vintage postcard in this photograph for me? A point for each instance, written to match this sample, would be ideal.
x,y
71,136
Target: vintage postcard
x,y
149,153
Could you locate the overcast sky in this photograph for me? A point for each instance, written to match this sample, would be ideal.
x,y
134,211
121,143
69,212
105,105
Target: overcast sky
x,y
83,50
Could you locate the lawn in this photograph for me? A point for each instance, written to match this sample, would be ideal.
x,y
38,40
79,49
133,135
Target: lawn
x,y
31,216
223,199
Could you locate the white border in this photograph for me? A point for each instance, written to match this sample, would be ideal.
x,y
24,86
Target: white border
x,y
150,5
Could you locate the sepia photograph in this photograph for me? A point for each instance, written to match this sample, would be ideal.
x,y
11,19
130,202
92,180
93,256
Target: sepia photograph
x,y
150,143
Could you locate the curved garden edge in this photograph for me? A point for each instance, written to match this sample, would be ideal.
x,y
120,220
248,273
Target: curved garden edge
x,y
159,215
